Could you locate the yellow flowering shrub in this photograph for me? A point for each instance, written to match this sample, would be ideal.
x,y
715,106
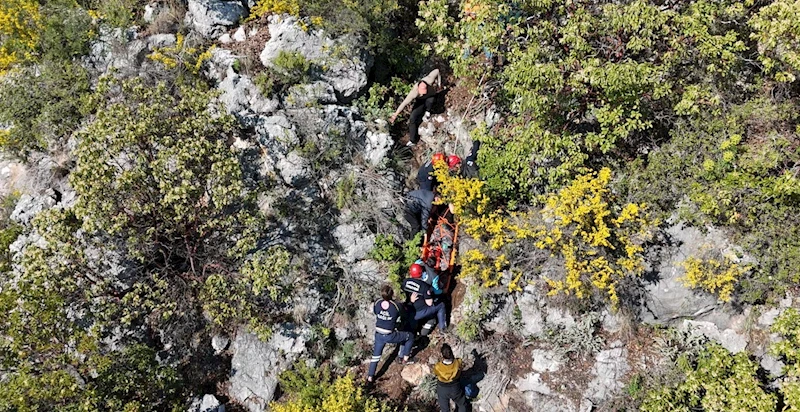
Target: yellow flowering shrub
x,y
181,55
266,7
713,276
488,270
19,31
600,246
342,395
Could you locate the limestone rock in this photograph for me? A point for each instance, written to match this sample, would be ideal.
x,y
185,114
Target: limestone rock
x,y
243,99
377,147
530,310
239,35
668,299
209,403
609,370
546,361
414,374
355,241
367,271
220,343
29,206
728,338
210,18
345,69
532,382
293,169
255,365
307,95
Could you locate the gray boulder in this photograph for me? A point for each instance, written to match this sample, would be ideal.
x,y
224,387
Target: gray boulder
x,y
531,306
344,62
220,343
609,370
293,169
355,241
210,18
242,98
208,403
255,365
29,206
377,147
668,299
728,338
309,95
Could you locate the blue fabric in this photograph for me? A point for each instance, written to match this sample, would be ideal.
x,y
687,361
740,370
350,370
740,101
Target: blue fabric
x,y
406,338
437,310
388,318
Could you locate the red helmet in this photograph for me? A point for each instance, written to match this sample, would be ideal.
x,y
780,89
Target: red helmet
x,y
453,161
415,271
437,157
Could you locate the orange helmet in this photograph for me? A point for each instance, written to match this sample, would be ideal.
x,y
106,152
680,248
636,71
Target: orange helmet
x,y
437,157
453,161
415,271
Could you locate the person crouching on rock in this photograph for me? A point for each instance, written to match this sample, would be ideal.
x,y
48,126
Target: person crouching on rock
x,y
423,94
420,295
448,372
388,318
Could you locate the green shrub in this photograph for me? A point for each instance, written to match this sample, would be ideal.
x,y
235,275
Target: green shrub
x,y
715,381
43,106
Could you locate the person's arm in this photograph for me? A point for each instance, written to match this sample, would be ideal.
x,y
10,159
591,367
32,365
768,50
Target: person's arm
x,y
433,76
409,98
426,213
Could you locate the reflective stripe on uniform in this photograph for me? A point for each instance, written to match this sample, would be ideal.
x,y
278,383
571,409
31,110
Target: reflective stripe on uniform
x,y
383,331
427,326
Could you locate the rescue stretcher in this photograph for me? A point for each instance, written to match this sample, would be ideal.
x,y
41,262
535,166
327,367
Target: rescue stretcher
x,y
441,244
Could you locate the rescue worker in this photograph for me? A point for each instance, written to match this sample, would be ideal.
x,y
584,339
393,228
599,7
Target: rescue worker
x,y
453,161
470,167
448,372
420,295
430,277
423,95
387,320
418,209
425,176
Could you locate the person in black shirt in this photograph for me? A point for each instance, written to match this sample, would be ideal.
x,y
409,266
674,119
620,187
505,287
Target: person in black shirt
x,y
387,318
420,294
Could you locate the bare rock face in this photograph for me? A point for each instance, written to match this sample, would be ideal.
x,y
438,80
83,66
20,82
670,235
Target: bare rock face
x,y
343,63
255,365
414,374
210,18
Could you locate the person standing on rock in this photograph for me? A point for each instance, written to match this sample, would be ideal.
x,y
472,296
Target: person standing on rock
x,y
469,169
387,319
448,372
423,95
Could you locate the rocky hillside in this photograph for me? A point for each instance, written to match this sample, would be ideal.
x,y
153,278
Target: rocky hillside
x,y
201,201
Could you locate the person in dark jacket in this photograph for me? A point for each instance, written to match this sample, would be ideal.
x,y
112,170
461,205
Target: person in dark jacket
x,y
469,169
425,176
420,295
387,319
448,372
422,95
418,209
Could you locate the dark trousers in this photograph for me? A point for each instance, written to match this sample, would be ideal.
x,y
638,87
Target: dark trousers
x,y
406,338
415,219
447,391
417,112
437,310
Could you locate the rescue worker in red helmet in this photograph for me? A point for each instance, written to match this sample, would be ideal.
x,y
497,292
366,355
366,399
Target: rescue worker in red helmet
x,y
453,162
425,175
420,295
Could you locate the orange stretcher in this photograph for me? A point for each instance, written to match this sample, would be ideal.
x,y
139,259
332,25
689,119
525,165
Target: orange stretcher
x,y
440,246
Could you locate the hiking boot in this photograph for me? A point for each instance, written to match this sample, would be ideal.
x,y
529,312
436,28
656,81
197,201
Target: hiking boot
x,y
410,361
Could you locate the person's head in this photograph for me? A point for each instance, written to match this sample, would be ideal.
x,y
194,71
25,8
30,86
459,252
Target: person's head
x,y
453,161
415,271
447,352
387,292
422,88
437,157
